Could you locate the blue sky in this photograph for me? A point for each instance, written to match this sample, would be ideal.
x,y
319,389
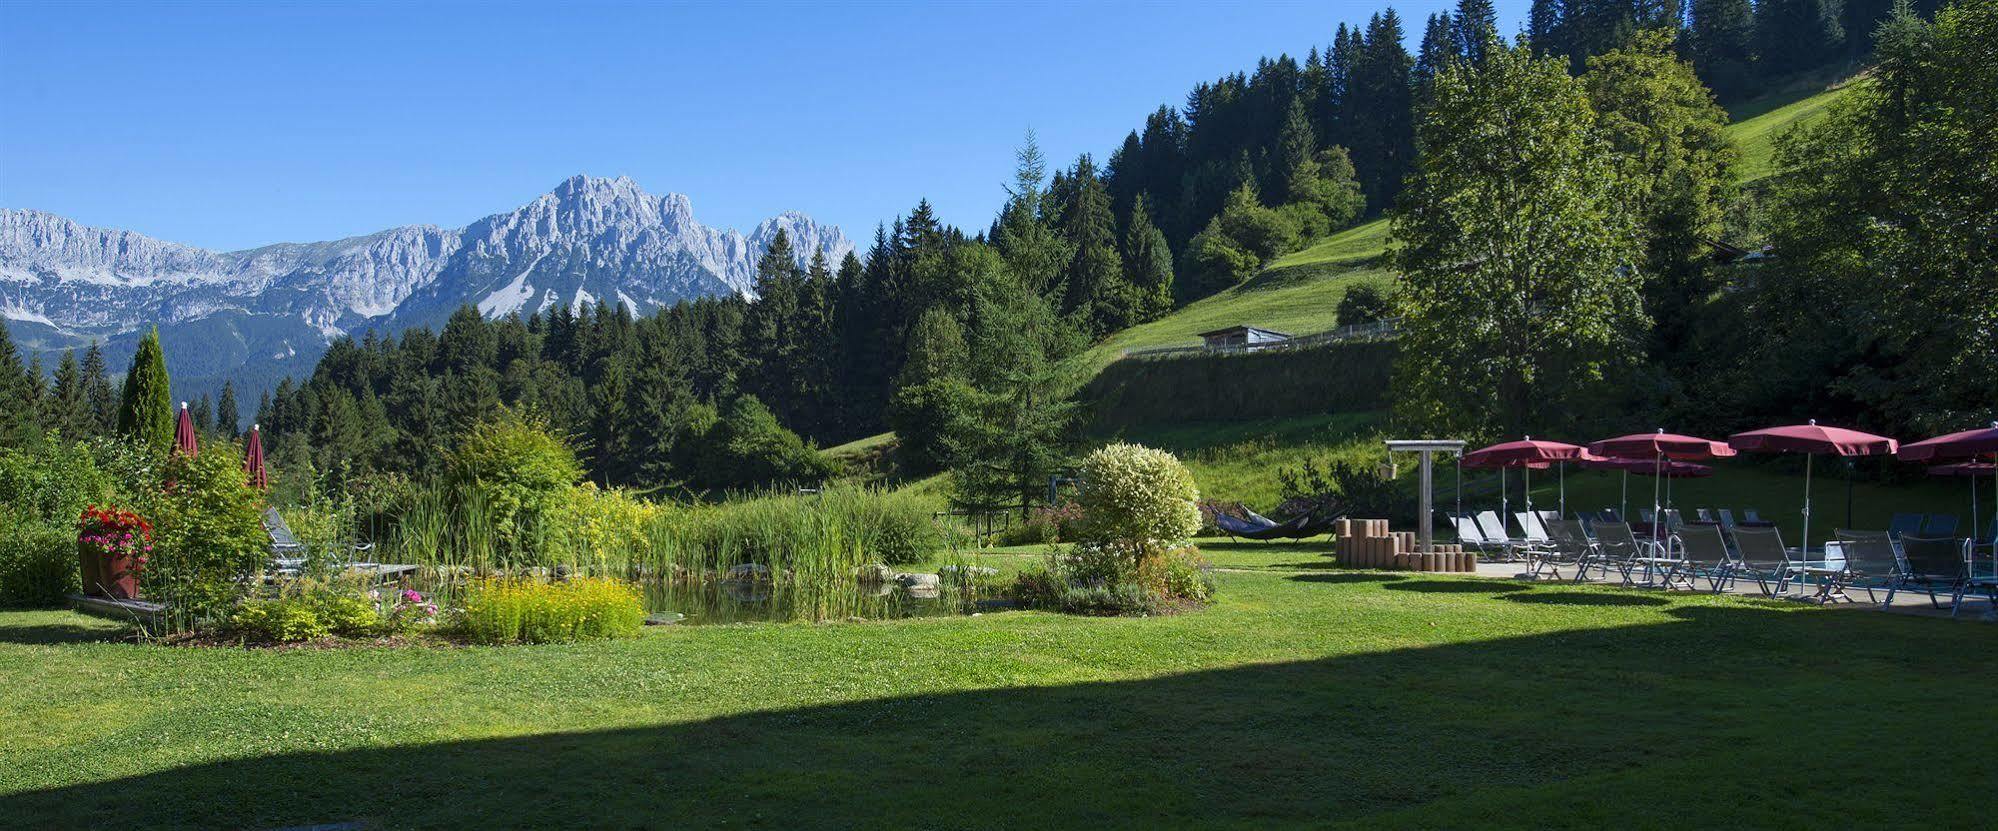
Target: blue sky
x,y
236,125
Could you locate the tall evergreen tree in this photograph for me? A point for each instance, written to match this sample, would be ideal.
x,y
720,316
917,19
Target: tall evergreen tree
x,y
69,400
1096,294
1474,28
102,398
1379,110
1030,247
1148,263
228,419
17,421
1795,35
203,414
145,413
1721,40
1544,27
1439,47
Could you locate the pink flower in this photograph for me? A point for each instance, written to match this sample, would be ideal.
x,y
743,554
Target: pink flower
x,y
411,596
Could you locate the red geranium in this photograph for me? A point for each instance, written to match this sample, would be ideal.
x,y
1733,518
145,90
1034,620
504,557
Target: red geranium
x,y
114,531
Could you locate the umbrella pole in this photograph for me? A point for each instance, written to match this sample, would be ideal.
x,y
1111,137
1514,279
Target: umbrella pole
x,y
1657,514
1460,485
1623,504
1563,473
1526,473
1849,465
1805,549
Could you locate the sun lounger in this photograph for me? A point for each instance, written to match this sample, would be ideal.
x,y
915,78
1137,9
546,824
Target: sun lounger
x,y
1570,547
1761,556
1937,565
1704,554
1940,525
1903,525
1494,529
1864,560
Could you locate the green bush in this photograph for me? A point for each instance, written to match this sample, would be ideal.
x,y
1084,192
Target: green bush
x,y
518,474
529,611
1095,579
1137,498
208,535
279,620
51,482
38,564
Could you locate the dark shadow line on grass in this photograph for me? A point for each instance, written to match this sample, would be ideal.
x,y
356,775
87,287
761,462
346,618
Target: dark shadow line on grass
x,y
1587,599
1345,577
1461,586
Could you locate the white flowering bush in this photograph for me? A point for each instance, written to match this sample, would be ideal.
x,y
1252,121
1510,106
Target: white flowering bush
x,y
1137,498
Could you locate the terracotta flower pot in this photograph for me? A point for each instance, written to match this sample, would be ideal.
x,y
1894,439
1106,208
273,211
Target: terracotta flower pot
x,y
91,562
121,576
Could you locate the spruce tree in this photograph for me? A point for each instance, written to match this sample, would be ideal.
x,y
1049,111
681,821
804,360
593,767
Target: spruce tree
x,y
1439,47
1473,29
1030,247
1379,110
228,421
37,394
1722,44
69,401
203,414
1544,27
17,421
1795,35
103,400
1096,294
1148,263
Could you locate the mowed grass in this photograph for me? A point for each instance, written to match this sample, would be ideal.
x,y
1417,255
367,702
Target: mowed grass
x,y
1300,298
1304,697
1238,461
1756,136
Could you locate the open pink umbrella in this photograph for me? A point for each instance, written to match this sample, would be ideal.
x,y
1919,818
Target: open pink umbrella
x,y
1528,455
183,434
1811,439
1658,447
1965,445
253,459
1969,470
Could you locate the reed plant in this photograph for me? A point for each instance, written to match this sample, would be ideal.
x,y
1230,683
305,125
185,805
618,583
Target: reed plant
x,y
525,610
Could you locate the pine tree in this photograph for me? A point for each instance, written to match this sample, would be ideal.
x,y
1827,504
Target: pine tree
x,y
228,421
145,412
69,401
203,414
1544,27
103,400
1030,247
1795,35
1148,263
1379,110
1096,294
1473,29
17,420
1439,47
1721,41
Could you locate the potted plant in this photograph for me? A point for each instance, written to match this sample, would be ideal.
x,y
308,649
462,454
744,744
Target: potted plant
x,y
113,546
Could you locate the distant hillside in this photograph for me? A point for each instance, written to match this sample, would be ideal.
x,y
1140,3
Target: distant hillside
x,y
1766,118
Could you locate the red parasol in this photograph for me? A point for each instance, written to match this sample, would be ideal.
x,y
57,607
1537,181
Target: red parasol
x,y
253,459
1812,439
1968,444
183,434
1530,455
1659,446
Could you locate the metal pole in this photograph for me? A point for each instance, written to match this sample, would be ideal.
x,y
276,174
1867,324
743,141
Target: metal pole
x,y
1805,549
1423,525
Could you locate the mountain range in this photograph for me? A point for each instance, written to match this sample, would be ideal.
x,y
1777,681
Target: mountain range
x,y
257,315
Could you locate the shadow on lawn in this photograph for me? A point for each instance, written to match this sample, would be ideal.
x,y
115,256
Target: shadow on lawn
x,y
1588,599
1461,586
1345,577
1413,737
50,634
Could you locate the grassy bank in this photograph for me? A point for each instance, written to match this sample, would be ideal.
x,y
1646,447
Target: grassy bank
x,y
1302,698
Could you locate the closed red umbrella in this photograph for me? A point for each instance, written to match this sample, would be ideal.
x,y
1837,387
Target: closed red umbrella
x,y
253,459
1658,447
1529,455
183,434
1811,439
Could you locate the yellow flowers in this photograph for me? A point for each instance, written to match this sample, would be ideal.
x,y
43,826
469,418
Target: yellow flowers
x,y
532,611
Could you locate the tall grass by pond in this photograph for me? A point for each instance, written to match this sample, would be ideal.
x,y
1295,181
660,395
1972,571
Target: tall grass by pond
x,y
808,537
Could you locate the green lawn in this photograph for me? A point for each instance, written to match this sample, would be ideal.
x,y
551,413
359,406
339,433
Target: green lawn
x,y
1756,136
1238,461
1304,697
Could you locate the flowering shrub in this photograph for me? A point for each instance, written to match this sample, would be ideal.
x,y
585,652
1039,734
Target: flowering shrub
x,y
1107,579
113,535
530,611
1139,498
401,611
321,613
281,620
